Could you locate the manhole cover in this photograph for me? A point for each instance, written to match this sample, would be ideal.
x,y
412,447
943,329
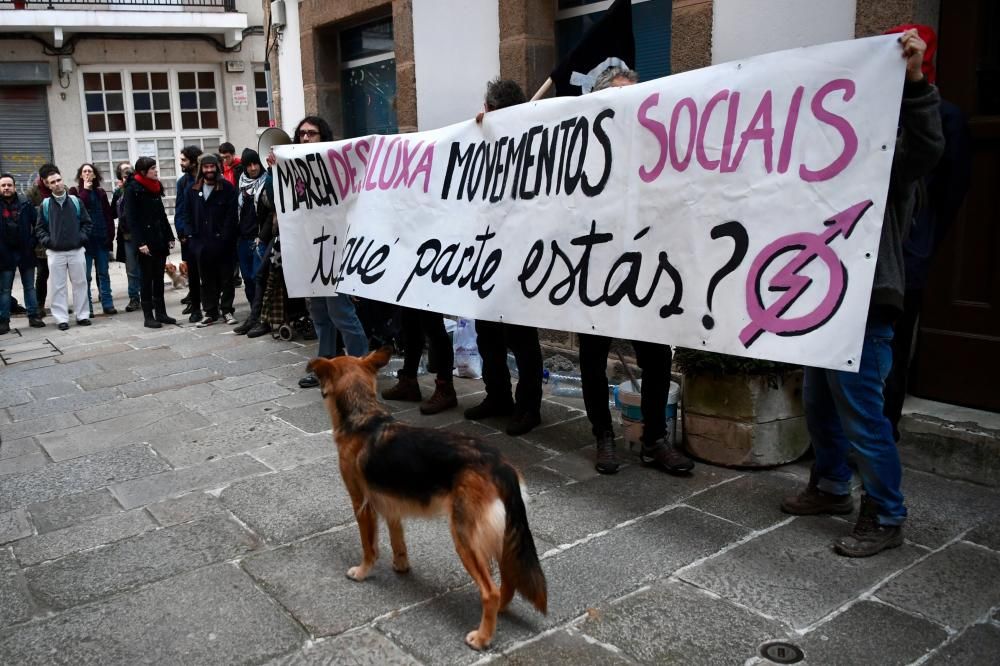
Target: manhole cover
x,y
781,653
16,350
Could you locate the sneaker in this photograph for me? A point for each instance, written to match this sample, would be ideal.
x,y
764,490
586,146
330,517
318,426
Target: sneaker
x,y
83,322
195,316
36,322
309,381
812,501
523,421
133,305
607,454
110,311
244,328
63,326
869,536
443,398
406,389
149,322
4,327
262,328
230,319
205,322
665,457
488,408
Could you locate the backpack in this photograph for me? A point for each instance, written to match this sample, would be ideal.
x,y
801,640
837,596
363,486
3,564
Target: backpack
x,y
46,203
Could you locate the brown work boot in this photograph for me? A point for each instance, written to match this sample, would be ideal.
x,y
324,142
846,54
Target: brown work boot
x,y
813,501
406,389
665,457
443,398
869,536
607,455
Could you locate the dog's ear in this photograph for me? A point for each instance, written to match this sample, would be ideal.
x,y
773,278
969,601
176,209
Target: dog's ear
x,y
379,358
321,367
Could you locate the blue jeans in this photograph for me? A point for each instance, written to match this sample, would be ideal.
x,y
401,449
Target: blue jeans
x,y
259,253
99,257
333,313
245,253
27,283
132,270
844,412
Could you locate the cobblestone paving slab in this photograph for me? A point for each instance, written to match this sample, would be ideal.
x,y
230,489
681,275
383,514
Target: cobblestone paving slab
x,y
292,453
563,648
940,510
15,601
987,535
675,623
791,573
979,644
204,444
54,390
11,397
107,379
69,403
25,463
19,377
180,380
14,525
954,587
165,485
214,615
18,447
752,500
291,504
118,408
78,475
19,429
311,418
72,509
360,648
146,558
849,638
89,534
185,508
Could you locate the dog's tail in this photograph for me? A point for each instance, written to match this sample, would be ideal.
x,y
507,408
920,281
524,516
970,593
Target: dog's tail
x,y
519,560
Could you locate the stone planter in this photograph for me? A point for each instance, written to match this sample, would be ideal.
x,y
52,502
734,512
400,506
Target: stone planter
x,y
745,421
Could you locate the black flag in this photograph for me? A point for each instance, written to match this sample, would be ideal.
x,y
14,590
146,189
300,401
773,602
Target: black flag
x,y
611,37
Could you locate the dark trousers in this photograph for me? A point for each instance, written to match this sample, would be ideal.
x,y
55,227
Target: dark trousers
x,y
41,280
260,283
217,290
902,350
654,361
493,340
151,283
194,275
418,326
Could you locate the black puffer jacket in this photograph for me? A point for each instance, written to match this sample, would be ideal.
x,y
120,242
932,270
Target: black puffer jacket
x,y
147,219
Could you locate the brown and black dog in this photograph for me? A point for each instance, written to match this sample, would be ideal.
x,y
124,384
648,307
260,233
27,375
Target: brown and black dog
x,y
398,470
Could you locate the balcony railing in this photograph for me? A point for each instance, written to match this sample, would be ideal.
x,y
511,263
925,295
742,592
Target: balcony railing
x,y
224,5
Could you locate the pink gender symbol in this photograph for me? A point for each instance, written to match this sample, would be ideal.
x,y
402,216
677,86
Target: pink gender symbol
x,y
810,246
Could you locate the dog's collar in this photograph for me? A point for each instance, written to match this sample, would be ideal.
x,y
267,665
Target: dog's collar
x,y
372,427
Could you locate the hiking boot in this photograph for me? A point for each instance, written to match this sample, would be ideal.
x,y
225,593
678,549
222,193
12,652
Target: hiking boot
x,y
245,327
443,398
195,317
665,457
111,311
488,408
309,381
36,322
406,389
522,421
812,501
150,322
133,305
261,328
607,454
869,536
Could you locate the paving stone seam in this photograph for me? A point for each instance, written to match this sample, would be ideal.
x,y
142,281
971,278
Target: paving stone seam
x,y
156,528
872,592
978,545
953,636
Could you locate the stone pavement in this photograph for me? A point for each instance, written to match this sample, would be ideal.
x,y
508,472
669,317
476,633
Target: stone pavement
x,y
172,497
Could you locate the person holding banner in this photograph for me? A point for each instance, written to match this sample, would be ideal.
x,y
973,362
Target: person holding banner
x,y
494,338
654,361
331,313
844,410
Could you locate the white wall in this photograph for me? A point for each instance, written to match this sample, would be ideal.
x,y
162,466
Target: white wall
x,y
456,50
292,102
743,28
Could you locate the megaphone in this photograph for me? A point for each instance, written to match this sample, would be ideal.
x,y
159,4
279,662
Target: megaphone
x,y
271,137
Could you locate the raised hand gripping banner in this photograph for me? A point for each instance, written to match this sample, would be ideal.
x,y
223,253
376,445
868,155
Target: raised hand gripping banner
x,y
736,208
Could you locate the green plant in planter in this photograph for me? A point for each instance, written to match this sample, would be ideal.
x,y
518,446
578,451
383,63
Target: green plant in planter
x,y
740,411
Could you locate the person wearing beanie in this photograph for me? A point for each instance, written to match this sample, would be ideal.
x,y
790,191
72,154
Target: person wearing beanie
x,y
212,214
152,236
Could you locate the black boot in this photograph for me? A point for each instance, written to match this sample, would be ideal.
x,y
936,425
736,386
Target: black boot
x,y
161,314
149,319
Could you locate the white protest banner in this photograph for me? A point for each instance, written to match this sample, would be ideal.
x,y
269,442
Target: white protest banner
x,y
735,208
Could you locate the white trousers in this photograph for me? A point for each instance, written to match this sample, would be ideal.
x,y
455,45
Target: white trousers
x,y
72,263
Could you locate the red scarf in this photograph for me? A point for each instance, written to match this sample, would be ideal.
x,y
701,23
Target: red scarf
x,y
151,185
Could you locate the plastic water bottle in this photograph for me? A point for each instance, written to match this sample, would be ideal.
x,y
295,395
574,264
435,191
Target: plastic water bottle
x,y
512,365
568,385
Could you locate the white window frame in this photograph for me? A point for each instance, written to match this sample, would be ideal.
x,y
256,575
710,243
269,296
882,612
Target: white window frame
x,y
574,12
